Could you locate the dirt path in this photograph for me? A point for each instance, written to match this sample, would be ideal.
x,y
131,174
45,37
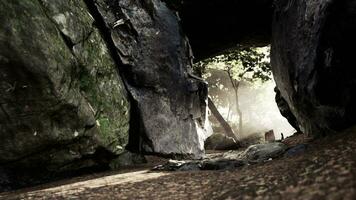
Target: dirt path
x,y
326,171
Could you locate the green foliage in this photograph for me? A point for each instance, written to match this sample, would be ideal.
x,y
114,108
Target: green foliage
x,y
243,64
227,72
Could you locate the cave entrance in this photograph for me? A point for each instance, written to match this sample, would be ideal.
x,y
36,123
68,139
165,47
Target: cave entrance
x,y
242,99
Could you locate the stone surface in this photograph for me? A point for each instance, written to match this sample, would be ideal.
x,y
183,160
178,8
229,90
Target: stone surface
x,y
63,106
127,159
169,103
285,110
196,165
75,75
99,82
229,160
312,64
222,164
263,152
220,142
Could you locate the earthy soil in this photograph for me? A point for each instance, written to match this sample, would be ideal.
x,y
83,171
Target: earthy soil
x,y
326,170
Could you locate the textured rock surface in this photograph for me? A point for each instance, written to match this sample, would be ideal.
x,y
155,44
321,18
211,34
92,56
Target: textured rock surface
x,y
229,160
312,62
285,110
220,142
127,159
169,103
63,106
195,165
263,152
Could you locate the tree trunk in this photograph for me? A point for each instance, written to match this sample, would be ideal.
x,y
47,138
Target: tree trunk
x,y
228,113
228,130
238,110
235,85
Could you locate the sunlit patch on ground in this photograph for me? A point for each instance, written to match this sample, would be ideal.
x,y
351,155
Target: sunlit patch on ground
x,y
74,188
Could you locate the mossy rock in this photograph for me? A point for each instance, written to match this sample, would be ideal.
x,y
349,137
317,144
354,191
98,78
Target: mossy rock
x,y
63,103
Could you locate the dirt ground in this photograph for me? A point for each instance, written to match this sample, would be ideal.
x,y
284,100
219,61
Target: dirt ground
x,y
327,170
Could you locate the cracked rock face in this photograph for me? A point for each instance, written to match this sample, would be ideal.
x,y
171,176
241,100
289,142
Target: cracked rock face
x,y
75,75
312,62
63,106
155,57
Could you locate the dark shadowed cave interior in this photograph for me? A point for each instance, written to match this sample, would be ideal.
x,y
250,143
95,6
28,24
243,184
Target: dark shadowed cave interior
x,y
172,99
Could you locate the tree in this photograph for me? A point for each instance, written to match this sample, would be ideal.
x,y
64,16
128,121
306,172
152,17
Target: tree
x,y
227,128
243,64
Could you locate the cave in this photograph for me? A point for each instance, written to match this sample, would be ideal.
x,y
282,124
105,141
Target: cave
x,y
92,85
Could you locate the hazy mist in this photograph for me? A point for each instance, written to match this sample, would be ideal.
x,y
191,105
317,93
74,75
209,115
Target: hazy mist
x,y
260,111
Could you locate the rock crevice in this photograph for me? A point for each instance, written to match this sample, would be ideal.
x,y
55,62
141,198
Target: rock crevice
x,y
171,106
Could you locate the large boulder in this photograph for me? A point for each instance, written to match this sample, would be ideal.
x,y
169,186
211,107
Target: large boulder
x,y
168,102
313,64
219,141
63,106
75,75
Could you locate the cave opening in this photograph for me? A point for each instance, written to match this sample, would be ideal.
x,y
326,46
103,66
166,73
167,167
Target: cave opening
x,y
100,98
242,99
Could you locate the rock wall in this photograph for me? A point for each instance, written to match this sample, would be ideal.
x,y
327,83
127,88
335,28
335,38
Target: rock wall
x,y
63,105
313,64
285,110
156,64
312,57
81,80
